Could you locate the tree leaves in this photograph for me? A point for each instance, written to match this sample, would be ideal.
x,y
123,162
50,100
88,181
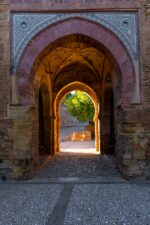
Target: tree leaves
x,y
80,105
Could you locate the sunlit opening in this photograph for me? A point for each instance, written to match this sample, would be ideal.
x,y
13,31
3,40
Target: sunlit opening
x,y
82,147
77,126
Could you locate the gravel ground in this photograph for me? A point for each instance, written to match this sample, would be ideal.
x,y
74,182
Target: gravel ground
x,y
72,165
113,204
74,204
27,204
37,203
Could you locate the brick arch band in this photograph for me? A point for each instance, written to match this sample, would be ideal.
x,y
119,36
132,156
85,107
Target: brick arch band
x,y
91,29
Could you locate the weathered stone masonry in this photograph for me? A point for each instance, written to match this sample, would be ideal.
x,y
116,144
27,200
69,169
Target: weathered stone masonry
x,y
19,121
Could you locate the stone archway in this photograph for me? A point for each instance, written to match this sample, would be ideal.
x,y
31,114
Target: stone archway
x,y
68,88
40,46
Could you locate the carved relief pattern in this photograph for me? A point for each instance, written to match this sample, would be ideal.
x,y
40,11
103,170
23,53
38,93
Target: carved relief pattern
x,y
27,25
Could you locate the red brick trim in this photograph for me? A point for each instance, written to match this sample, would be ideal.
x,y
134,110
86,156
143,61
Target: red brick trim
x,y
38,5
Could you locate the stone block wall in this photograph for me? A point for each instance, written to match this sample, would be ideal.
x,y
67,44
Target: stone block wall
x,y
67,120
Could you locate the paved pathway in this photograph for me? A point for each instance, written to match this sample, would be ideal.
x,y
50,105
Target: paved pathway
x,y
79,165
75,189
74,204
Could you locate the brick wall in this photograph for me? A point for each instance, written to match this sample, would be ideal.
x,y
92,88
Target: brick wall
x,y
144,115
4,59
73,4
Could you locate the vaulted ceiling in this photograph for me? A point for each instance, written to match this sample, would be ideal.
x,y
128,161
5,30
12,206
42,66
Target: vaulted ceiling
x,y
76,58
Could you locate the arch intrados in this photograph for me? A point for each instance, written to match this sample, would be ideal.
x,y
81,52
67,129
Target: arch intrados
x,y
85,27
87,66
77,62
86,39
44,87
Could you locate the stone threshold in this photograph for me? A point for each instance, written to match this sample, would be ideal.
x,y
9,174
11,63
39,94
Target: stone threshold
x,y
77,180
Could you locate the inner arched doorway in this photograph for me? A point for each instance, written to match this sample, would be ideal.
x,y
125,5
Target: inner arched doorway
x,y
65,90
84,65
75,51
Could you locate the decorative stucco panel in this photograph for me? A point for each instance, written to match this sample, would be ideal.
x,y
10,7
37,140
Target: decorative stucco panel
x,y
27,25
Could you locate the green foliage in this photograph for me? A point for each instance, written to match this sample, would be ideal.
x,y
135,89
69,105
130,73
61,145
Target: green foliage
x,y
80,106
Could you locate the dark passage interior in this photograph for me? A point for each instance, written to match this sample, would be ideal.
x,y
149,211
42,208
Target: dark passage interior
x,y
77,62
44,121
